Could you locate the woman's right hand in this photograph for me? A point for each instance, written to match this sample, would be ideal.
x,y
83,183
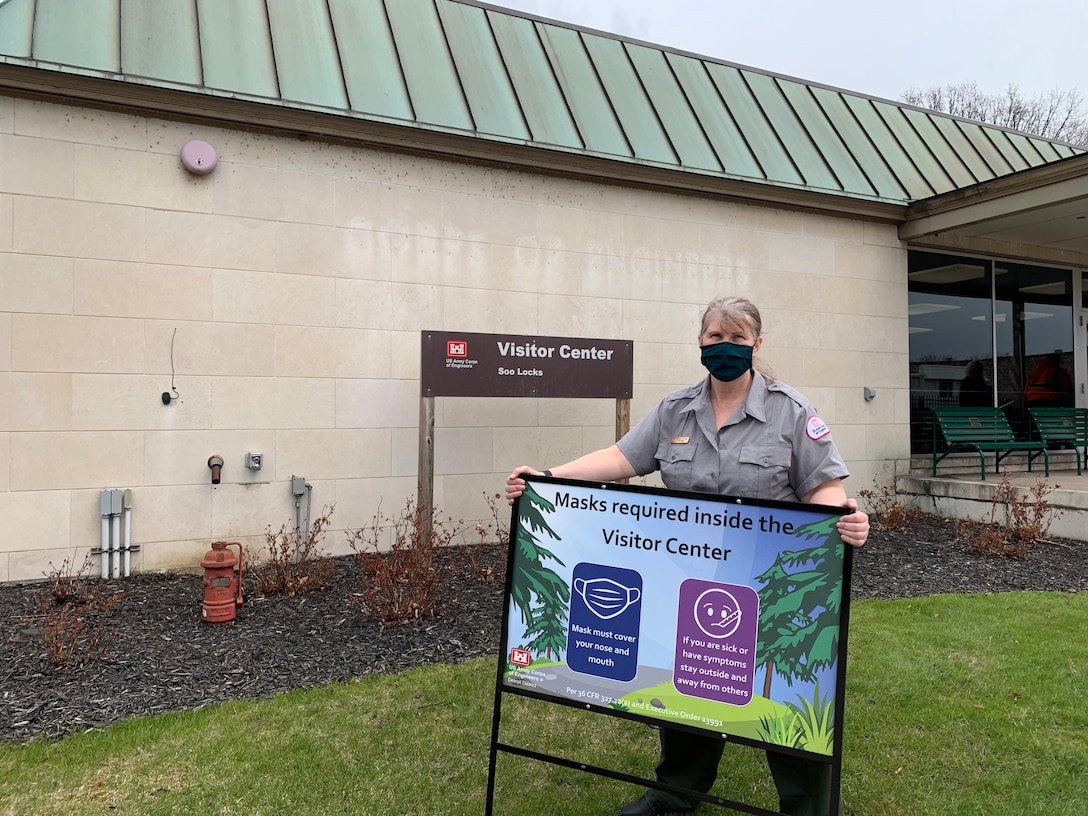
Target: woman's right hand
x,y
515,485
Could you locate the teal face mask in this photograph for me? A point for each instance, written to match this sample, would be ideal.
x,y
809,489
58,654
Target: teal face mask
x,y
727,361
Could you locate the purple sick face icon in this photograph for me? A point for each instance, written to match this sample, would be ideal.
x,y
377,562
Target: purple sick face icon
x,y
717,613
716,637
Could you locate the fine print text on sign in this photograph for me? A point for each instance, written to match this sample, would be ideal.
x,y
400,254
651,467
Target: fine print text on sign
x,y
468,364
695,610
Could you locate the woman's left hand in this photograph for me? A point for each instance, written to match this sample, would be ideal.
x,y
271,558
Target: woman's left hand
x,y
854,526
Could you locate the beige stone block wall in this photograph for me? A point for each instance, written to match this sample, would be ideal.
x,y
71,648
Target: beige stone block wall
x,y
7,220
280,300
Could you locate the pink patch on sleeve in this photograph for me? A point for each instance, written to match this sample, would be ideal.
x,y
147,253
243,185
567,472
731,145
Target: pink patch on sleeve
x,y
816,428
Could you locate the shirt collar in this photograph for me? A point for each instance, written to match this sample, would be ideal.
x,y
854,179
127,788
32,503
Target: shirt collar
x,y
755,404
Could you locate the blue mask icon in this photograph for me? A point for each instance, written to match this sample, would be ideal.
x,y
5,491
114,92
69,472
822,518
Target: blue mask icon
x,y
606,598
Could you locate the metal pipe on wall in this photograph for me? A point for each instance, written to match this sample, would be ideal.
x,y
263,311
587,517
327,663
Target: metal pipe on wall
x,y
126,503
114,503
115,519
104,546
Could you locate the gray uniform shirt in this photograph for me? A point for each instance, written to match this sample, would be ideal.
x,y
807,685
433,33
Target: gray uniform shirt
x,y
775,447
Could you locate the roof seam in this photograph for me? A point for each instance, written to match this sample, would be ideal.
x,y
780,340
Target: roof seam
x,y
339,55
558,84
656,114
453,64
736,124
808,132
199,42
845,144
879,153
770,126
400,62
509,77
604,89
952,150
694,114
272,47
959,127
903,147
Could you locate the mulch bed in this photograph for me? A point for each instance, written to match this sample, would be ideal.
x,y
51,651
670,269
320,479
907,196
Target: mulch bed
x,y
164,658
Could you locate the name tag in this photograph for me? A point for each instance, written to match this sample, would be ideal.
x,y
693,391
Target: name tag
x,y
680,440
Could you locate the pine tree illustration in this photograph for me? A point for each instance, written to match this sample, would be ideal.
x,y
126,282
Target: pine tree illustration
x,y
799,609
539,594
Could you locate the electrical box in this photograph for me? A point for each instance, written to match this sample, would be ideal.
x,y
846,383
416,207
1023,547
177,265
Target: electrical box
x,y
298,485
254,461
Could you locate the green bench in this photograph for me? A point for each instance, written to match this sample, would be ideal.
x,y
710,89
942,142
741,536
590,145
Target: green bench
x,y
1067,426
985,430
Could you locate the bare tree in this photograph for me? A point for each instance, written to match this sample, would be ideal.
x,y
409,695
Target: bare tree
x,y
1057,115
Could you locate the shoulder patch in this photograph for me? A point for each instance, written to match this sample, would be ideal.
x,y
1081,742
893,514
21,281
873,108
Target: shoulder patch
x,y
816,428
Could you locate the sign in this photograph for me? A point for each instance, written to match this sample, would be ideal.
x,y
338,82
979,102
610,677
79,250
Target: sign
x,y
467,364
697,611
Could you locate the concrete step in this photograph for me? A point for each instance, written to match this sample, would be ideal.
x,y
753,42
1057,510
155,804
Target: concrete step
x,y
966,496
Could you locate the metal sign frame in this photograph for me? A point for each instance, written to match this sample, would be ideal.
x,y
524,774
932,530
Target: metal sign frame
x,y
774,567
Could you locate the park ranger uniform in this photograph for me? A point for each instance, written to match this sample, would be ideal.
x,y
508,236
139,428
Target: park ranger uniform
x,y
775,447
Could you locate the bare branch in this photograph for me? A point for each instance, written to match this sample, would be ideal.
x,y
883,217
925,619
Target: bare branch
x,y
1057,114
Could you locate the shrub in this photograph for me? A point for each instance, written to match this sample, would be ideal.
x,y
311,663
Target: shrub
x,y
295,563
1026,521
68,587
75,618
496,530
400,583
886,510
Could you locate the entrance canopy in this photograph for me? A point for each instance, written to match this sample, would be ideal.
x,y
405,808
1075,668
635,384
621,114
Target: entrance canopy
x,y
1040,213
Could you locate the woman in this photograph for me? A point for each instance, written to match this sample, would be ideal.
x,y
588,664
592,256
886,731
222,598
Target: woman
x,y
737,433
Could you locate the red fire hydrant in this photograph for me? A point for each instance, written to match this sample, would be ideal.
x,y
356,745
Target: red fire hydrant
x,y
222,584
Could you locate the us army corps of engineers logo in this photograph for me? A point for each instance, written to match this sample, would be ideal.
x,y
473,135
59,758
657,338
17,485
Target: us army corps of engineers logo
x,y
457,355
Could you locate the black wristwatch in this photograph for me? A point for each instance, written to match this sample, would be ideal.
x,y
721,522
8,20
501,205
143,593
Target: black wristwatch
x,y
548,473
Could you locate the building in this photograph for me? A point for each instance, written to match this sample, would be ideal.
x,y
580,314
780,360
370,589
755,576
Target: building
x,y
384,168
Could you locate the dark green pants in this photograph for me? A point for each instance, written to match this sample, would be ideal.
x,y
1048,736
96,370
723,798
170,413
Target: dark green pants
x,y
691,761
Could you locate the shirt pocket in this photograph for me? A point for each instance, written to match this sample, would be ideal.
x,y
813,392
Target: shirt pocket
x,y
676,463
768,469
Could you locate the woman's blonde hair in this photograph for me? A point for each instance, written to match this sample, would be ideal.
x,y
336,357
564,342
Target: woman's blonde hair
x,y
733,311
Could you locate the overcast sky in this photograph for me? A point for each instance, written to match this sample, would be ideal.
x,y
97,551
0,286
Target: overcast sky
x,y
875,47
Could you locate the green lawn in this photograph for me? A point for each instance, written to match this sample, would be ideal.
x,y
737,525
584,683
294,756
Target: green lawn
x,y
974,704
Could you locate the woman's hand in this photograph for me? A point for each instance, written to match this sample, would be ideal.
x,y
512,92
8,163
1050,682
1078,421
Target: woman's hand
x,y
515,485
854,526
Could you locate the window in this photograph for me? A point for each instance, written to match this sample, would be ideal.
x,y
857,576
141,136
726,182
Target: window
x,y
977,328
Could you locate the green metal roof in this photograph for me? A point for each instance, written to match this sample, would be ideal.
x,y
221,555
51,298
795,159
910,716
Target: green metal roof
x,y
462,67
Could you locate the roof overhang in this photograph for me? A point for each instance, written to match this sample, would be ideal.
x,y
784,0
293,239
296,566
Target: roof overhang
x,y
252,113
1039,214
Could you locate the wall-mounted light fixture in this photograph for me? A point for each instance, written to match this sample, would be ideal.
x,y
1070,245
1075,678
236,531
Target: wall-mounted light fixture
x,y
870,393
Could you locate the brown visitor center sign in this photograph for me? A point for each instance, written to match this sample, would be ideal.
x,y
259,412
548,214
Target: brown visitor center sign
x,y
467,364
